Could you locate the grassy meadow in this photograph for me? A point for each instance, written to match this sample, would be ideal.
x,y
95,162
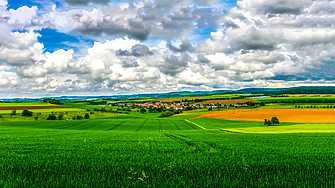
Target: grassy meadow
x,y
142,150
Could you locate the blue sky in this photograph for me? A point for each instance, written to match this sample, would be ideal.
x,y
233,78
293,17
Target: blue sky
x,y
115,47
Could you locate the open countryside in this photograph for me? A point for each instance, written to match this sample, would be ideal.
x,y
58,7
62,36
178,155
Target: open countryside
x,y
132,144
285,115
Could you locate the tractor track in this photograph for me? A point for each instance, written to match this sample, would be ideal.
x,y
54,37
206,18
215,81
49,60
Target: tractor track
x,y
160,127
88,127
142,125
72,124
190,124
211,145
191,144
117,125
175,124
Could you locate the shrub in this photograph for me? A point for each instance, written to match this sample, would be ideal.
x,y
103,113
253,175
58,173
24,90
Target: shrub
x,y
143,110
0,116
27,113
36,118
13,112
51,117
86,116
79,117
274,120
60,117
162,115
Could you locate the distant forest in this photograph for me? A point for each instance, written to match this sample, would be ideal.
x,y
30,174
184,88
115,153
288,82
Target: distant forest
x,y
297,91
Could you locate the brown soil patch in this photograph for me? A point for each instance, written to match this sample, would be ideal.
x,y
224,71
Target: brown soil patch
x,y
30,107
284,115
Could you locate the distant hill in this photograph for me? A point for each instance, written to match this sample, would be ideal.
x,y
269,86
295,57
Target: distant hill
x,y
264,91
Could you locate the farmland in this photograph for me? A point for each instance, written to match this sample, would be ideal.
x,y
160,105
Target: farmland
x,y
286,115
296,99
192,149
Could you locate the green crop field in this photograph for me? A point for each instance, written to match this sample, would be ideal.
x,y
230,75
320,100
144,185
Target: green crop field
x,y
299,128
142,150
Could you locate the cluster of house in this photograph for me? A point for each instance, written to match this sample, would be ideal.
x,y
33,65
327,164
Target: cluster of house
x,y
177,106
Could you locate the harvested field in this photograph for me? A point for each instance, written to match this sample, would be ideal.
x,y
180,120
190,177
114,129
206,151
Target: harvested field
x,y
233,101
223,112
30,107
284,115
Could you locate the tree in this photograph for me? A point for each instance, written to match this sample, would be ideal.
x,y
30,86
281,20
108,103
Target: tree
x,y
27,113
13,112
143,110
265,121
86,116
60,117
274,120
79,117
51,117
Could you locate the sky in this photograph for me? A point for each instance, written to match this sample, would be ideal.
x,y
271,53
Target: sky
x,y
107,47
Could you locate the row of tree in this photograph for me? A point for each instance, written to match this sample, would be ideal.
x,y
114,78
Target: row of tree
x,y
51,101
60,117
274,120
24,113
170,113
303,101
314,106
296,91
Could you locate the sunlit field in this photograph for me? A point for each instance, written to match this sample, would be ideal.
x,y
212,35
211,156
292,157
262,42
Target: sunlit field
x,y
285,115
142,150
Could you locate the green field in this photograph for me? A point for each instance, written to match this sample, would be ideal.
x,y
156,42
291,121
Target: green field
x,y
299,128
142,150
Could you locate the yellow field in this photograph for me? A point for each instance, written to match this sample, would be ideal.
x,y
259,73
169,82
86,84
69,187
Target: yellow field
x,y
223,112
284,115
299,128
191,113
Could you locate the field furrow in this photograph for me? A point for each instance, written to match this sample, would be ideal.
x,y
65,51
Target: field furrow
x,y
175,124
160,128
141,125
174,137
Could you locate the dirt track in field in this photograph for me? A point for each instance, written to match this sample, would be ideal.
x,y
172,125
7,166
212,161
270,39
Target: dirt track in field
x,y
31,107
284,115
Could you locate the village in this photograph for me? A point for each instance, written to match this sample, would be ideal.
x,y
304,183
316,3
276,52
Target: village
x,y
174,105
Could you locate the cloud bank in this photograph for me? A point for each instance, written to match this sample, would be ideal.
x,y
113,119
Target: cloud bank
x,y
157,46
